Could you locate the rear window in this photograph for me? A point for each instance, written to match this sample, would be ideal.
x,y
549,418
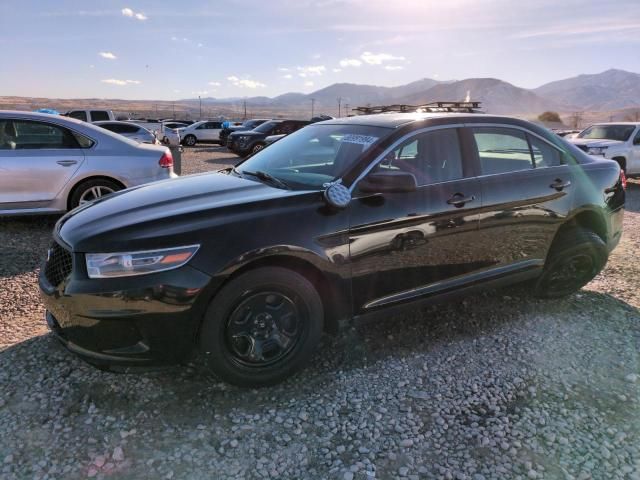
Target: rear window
x,y
99,115
79,114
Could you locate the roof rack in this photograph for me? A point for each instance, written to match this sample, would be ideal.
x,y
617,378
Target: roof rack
x,y
431,107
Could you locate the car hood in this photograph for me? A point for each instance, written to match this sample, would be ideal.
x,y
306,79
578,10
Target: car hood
x,y
166,213
595,142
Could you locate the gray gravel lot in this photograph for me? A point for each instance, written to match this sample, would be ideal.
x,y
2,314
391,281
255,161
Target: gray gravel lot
x,y
498,385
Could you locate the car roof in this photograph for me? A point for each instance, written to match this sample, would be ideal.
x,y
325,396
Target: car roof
x,y
397,120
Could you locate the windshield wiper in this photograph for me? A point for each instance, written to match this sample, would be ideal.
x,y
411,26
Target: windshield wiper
x,y
267,177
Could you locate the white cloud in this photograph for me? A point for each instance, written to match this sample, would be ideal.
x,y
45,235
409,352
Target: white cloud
x,y
287,76
115,81
200,93
350,62
107,55
215,84
379,58
308,84
127,12
92,66
245,82
311,70
336,70
283,69
393,67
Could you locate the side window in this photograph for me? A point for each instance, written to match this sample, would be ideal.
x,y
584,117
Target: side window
x,y
433,157
99,115
544,155
201,127
502,150
636,140
216,125
79,114
30,135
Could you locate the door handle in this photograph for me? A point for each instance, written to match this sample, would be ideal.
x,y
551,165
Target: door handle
x,y
558,184
459,200
66,163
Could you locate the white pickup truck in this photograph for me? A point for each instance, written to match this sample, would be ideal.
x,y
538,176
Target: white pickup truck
x,y
91,115
618,141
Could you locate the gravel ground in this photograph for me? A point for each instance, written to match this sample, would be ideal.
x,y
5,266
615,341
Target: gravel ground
x,y
498,385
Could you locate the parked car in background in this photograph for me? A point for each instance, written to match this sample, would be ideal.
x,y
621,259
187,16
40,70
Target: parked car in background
x,y
247,142
168,135
175,125
91,115
618,141
50,164
205,131
246,125
345,218
129,130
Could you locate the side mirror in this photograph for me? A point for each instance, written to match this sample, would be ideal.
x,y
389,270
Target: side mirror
x,y
337,195
388,182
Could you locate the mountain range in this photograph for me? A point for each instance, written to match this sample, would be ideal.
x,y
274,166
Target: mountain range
x,y
610,90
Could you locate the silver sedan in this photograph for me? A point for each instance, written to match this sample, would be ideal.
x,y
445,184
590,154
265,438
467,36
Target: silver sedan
x,y
129,130
51,163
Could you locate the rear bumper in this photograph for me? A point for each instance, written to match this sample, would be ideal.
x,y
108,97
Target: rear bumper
x,y
616,219
148,322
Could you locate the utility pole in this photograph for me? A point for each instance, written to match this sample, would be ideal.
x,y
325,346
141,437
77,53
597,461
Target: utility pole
x,y
339,107
313,102
200,100
245,109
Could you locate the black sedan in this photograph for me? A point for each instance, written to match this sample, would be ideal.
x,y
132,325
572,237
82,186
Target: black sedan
x,y
347,218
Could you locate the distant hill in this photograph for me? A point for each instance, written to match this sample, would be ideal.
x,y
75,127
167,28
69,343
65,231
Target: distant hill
x,y
609,90
611,94
497,96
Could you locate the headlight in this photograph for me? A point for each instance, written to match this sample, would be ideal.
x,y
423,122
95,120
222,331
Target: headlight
x,y
597,150
126,264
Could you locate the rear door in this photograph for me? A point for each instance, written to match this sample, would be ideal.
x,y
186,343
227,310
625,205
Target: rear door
x,y
415,244
209,131
37,159
635,165
527,194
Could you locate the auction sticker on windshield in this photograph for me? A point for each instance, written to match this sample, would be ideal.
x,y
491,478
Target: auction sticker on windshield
x,y
366,140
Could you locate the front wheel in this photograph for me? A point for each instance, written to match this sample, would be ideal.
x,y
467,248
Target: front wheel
x,y
262,327
190,140
576,257
256,148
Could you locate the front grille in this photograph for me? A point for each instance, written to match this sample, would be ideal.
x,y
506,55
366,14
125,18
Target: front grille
x,y
59,264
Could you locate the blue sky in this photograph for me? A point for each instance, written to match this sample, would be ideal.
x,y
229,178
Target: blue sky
x,y
182,49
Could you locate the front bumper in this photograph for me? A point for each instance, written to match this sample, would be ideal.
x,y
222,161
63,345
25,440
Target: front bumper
x,y
146,320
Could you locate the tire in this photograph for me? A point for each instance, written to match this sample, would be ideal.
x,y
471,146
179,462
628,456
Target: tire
x,y
256,309
91,190
576,257
190,140
256,148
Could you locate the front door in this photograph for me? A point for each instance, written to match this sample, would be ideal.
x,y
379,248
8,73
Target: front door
x,y
37,159
408,245
526,192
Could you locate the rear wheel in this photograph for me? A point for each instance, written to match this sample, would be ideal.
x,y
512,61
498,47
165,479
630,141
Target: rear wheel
x,y
262,327
576,257
190,140
92,190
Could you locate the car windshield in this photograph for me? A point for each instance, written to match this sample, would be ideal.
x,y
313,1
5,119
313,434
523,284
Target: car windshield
x,y
253,123
608,132
314,155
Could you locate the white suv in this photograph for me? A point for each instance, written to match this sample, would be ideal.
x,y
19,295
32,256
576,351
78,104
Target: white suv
x,y
203,131
618,141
